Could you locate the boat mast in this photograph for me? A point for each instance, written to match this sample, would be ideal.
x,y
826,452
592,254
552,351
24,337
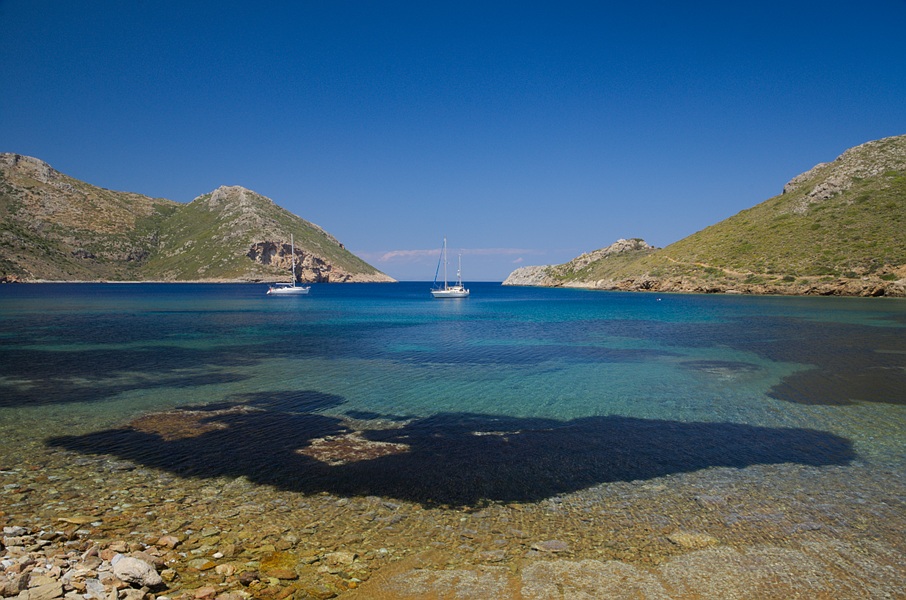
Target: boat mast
x,y
445,262
292,245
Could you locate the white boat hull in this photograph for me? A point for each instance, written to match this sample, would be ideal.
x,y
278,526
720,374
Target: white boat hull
x,y
451,293
288,291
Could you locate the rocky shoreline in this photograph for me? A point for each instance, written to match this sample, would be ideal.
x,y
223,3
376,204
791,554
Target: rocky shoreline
x,y
866,287
40,565
70,564
873,288
73,523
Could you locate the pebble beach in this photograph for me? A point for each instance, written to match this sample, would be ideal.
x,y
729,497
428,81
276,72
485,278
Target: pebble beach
x,y
767,531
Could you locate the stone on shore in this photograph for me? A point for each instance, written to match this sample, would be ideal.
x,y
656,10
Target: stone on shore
x,y
48,591
137,572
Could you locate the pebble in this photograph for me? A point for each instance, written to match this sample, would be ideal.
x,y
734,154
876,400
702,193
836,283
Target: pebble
x,y
492,555
692,540
339,558
170,541
551,546
48,591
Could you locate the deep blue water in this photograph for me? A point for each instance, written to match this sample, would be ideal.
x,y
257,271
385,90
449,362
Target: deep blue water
x,y
511,394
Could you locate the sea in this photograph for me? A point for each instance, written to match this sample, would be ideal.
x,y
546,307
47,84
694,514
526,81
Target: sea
x,y
607,420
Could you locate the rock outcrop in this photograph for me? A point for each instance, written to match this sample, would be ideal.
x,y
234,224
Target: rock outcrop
x,y
539,276
827,180
572,274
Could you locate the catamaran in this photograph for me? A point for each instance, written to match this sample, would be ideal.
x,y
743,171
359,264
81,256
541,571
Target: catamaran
x,y
449,291
289,289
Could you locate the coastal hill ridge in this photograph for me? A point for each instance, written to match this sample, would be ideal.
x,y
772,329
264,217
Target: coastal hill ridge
x,y
837,229
56,228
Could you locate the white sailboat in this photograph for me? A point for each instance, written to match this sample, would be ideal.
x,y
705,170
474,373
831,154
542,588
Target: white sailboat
x,y
289,289
449,291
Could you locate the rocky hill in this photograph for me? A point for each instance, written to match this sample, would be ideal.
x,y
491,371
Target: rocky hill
x,y
836,229
619,254
54,227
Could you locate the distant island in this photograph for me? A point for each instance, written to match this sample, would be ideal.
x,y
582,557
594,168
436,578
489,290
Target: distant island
x,y
56,228
838,229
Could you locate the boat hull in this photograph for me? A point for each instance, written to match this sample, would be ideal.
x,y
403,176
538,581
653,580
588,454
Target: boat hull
x,y
288,291
451,293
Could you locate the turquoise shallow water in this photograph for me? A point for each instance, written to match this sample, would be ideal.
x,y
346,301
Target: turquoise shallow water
x,y
514,394
751,446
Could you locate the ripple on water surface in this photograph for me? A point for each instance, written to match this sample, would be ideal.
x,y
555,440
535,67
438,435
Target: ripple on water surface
x,y
691,435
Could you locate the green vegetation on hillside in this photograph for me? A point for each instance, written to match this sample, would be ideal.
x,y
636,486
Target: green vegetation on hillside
x,y
211,237
58,228
55,227
850,235
843,220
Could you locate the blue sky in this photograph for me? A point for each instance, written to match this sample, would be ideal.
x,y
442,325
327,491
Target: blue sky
x,y
526,132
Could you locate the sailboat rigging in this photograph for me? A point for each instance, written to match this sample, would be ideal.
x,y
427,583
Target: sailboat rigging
x,y
449,291
289,289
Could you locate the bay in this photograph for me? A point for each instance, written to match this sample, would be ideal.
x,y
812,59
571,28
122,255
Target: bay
x,y
750,419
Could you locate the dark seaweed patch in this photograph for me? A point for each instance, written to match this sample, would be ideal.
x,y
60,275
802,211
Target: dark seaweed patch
x,y
458,459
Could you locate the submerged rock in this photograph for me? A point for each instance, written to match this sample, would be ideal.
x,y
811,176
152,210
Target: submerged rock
x,y
551,546
692,540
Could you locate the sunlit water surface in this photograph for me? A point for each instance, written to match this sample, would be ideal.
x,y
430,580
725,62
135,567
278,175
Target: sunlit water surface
x,y
514,395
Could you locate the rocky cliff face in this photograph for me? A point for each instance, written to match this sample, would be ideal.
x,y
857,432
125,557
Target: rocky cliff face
x,y
309,268
826,180
532,275
54,227
621,246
